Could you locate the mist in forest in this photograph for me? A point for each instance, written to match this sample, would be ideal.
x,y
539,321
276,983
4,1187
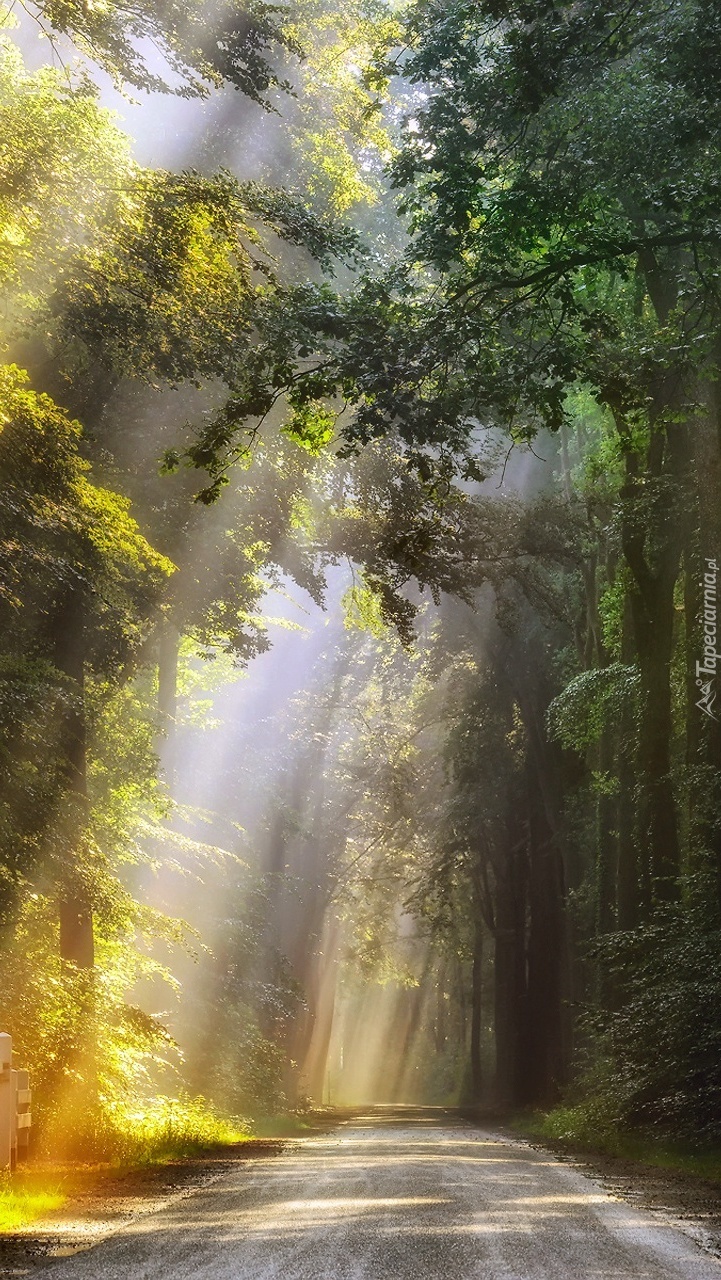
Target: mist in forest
x,y
276,774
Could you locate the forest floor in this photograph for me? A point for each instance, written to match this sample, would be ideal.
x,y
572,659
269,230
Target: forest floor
x,y
100,1201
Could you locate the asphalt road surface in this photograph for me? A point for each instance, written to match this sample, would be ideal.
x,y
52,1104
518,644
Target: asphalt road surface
x,y
398,1195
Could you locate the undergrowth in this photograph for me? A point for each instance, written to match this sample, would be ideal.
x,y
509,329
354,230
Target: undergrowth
x,y
587,1128
161,1129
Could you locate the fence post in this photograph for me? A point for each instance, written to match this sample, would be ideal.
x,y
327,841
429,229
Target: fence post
x,y
7,1102
23,1098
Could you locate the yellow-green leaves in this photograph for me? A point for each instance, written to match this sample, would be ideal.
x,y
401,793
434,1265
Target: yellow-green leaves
x,y
61,155
113,532
340,134
311,425
363,609
163,289
59,529
172,286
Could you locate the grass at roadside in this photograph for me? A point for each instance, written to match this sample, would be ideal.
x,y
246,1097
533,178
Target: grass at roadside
x,y
163,1132
578,1130
27,1196
166,1129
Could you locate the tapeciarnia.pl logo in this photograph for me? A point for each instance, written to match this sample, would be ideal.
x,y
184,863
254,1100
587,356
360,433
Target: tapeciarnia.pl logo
x,y
706,670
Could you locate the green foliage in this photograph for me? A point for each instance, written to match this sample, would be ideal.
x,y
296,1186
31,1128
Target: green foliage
x,y
663,1044
125,791
558,173
312,426
236,1017
592,701
363,609
535,216
338,128
176,286
166,290
165,1128
248,1069
61,155
68,1024
611,608
589,1129
592,1125
234,47
64,539
64,529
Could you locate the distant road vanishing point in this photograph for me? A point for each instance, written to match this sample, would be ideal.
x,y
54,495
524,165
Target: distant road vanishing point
x,y
398,1194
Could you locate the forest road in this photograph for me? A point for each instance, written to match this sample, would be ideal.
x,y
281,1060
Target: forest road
x,y
397,1194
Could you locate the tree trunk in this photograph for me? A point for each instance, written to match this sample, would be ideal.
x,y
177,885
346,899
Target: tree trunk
x,y
658,812
606,838
629,901
509,969
545,1066
477,1009
547,1052
74,899
75,908
440,1032
314,1064
653,538
652,612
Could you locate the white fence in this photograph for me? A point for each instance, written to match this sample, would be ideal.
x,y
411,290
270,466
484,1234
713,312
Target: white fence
x,y
15,1099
